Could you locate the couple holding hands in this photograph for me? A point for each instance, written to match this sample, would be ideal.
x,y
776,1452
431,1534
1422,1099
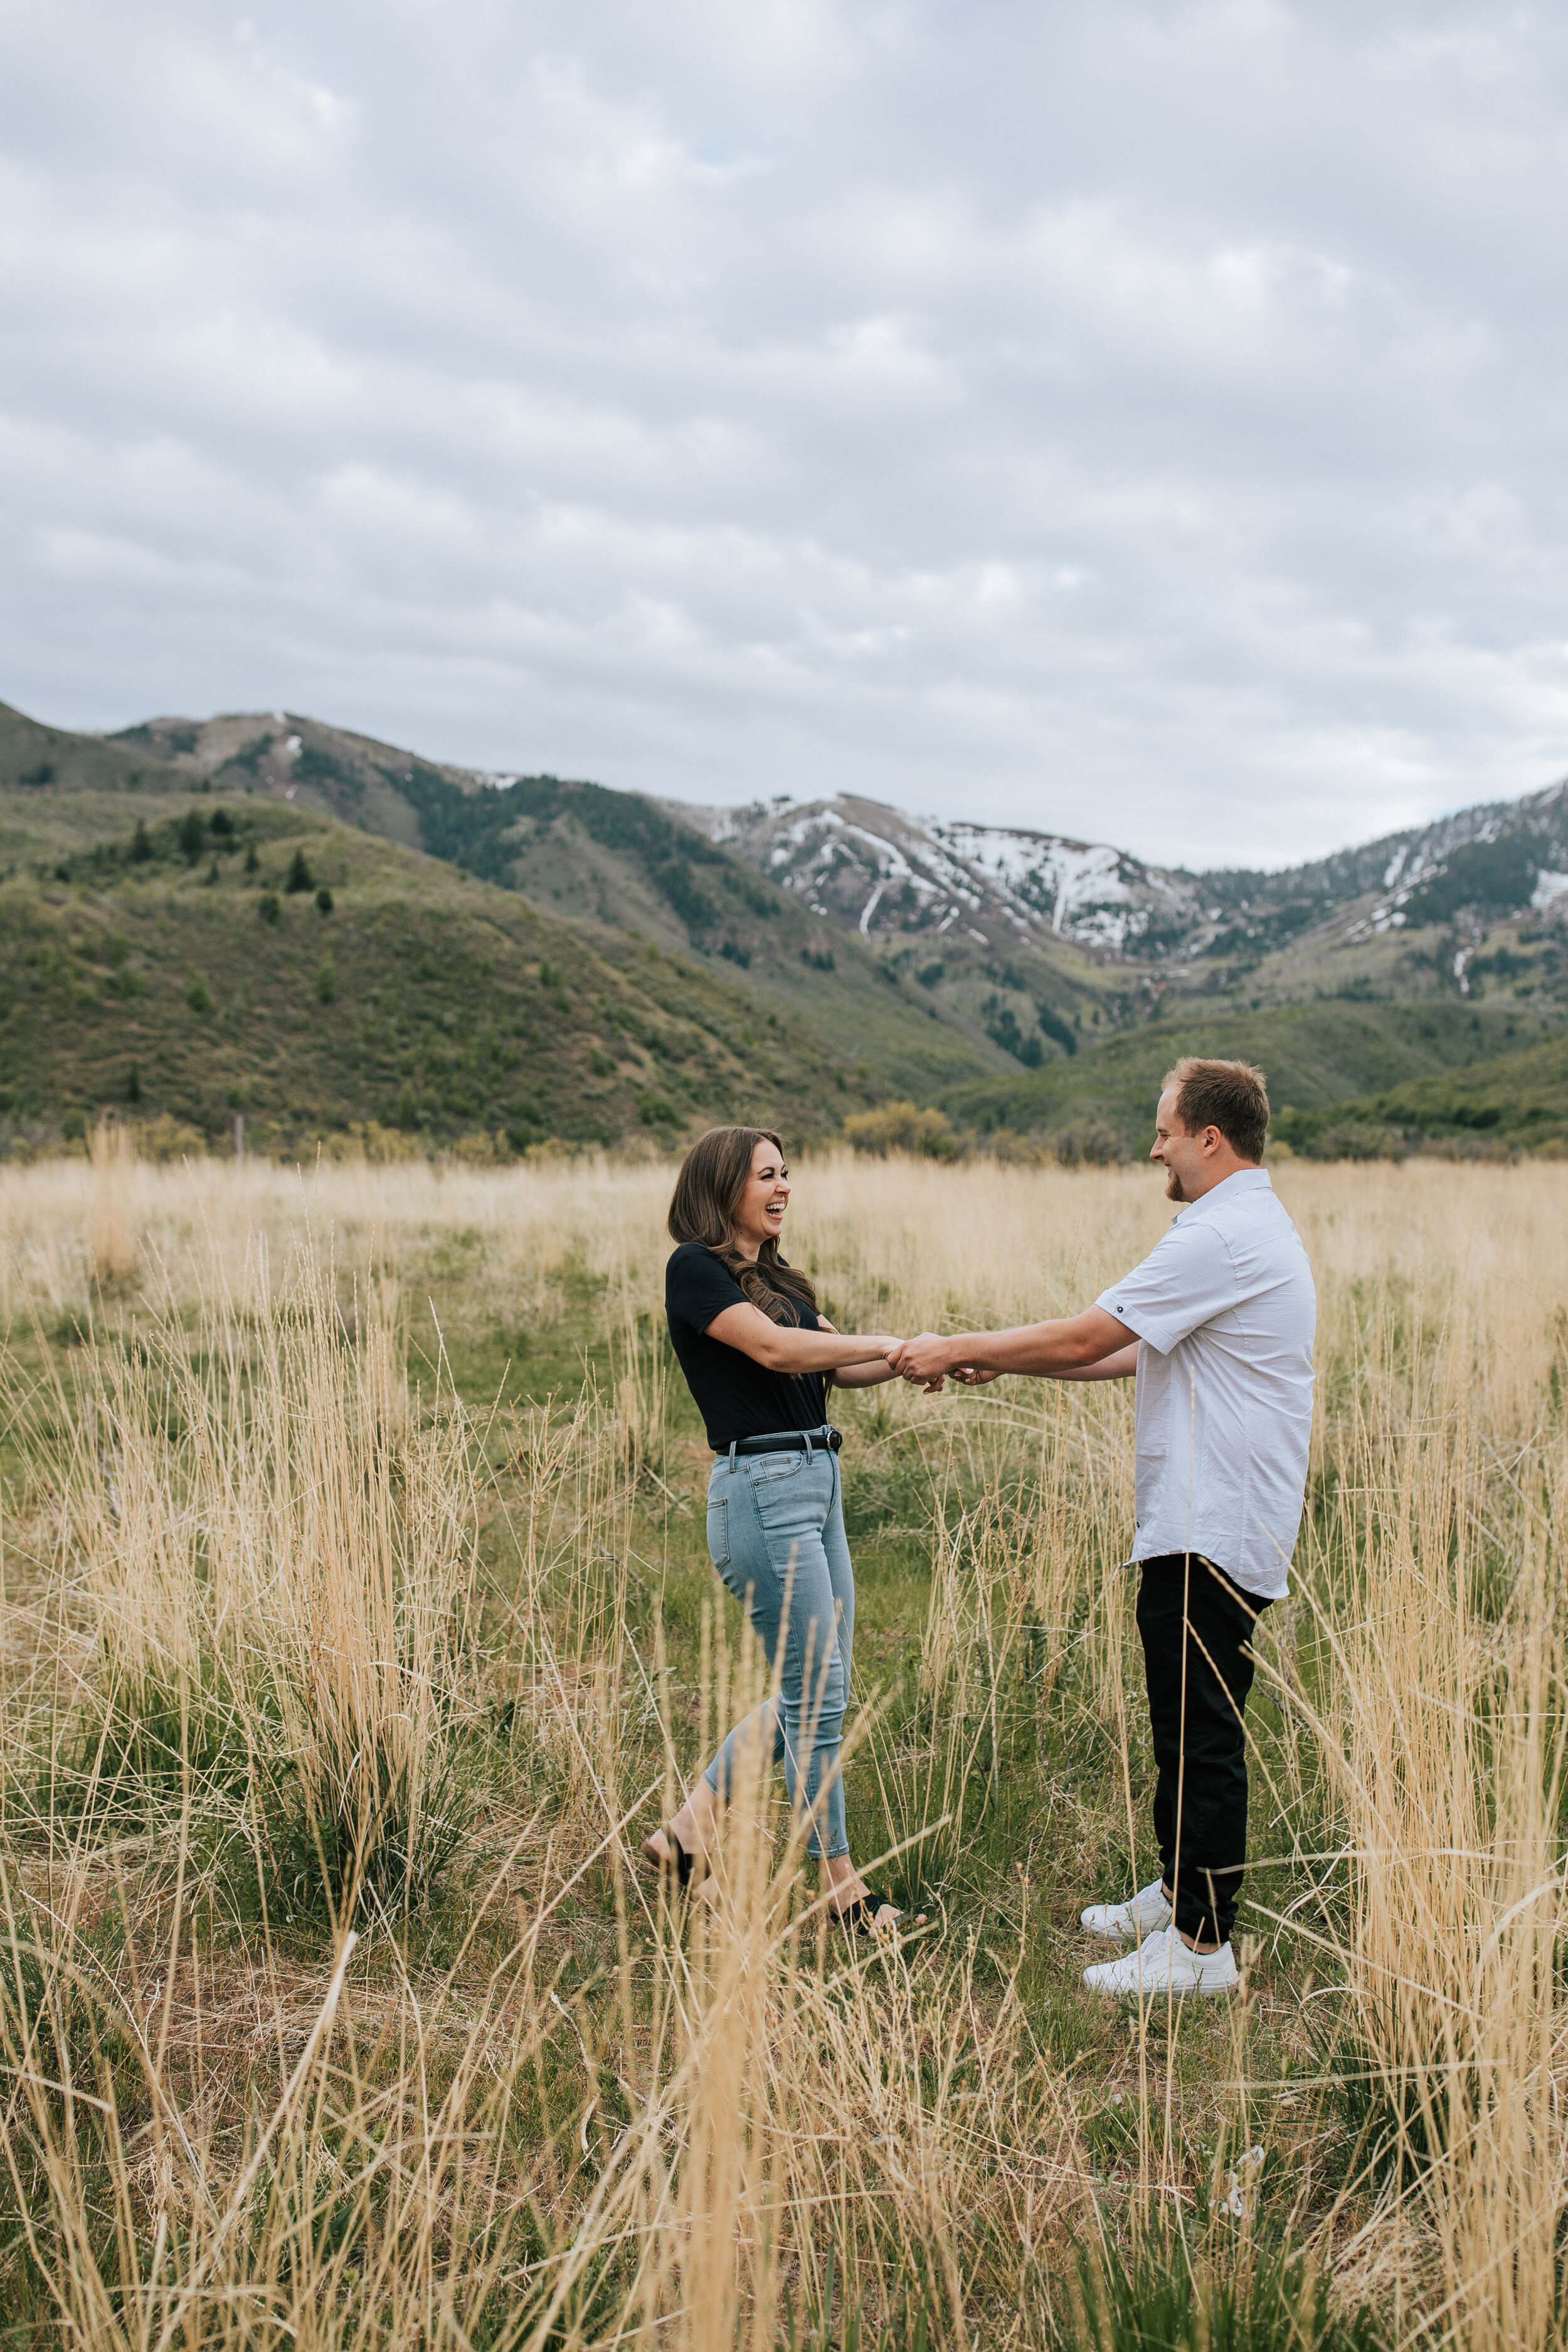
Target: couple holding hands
x,y
1216,1326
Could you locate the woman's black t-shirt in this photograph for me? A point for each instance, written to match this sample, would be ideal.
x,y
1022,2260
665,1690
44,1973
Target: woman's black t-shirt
x,y
736,1396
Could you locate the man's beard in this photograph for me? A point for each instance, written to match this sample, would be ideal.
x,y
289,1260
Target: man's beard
x,y
1173,1185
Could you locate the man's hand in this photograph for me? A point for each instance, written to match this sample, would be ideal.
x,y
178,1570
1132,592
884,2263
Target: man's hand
x,y
926,1360
894,1351
917,1359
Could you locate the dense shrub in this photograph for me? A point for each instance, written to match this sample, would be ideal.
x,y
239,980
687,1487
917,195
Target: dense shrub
x,y
1092,1145
901,1127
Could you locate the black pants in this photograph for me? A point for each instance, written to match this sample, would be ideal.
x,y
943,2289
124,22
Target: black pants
x,y
1196,1629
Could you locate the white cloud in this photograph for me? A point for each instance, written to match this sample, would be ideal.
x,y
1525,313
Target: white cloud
x,y
1144,422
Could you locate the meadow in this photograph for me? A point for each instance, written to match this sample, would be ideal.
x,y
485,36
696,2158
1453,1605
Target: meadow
x,y
356,1624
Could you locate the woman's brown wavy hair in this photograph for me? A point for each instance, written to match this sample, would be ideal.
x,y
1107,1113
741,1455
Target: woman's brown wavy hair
x,y
707,1192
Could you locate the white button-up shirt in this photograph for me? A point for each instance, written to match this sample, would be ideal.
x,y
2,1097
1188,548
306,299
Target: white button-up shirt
x,y
1224,1307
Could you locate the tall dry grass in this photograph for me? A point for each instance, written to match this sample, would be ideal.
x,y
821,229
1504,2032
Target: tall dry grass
x,y
112,1152
261,1564
314,1791
1440,1739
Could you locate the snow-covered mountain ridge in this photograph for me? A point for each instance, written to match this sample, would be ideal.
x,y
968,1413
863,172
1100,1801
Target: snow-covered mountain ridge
x,y
859,863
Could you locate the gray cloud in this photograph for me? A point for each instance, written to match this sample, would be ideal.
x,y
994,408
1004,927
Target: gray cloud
x,y
1144,421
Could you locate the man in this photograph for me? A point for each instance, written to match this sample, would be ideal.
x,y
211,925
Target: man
x,y
1222,1315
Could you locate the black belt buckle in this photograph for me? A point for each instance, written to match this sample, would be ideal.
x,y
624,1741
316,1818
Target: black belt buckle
x,y
792,1440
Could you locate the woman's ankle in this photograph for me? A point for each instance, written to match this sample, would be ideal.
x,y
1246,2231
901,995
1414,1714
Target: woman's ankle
x,y
697,1819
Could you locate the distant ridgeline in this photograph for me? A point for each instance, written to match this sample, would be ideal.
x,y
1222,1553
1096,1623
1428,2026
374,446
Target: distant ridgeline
x,y
263,917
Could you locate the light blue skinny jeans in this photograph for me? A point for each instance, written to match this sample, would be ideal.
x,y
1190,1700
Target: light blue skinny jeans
x,y
767,1511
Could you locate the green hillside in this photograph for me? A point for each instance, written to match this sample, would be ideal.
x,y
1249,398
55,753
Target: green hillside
x,y
1516,1100
1317,1057
38,760
610,862
186,958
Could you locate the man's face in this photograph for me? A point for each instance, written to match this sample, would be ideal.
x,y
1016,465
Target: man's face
x,y
1179,1150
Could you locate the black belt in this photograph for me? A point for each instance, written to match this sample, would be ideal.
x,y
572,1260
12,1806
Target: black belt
x,y
788,1441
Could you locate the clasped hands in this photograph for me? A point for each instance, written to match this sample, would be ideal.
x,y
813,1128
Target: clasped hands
x,y
929,1364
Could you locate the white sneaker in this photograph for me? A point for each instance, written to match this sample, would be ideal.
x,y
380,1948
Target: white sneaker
x,y
1139,1916
1163,1965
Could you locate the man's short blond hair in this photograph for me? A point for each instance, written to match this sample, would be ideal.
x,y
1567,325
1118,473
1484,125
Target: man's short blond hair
x,y
1231,1096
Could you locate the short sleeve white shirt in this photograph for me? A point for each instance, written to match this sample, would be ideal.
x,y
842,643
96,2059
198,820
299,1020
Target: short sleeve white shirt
x,y
1224,1307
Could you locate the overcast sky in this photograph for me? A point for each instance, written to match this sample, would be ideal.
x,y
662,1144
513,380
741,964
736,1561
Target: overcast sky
x,y
1146,422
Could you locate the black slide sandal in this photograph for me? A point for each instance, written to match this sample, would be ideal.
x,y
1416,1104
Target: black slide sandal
x,y
859,1917
677,1864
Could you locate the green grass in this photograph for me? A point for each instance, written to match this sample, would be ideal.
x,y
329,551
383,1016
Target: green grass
x,y
1167,2295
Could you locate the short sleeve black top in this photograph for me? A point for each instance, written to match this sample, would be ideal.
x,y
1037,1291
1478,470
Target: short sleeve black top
x,y
736,1396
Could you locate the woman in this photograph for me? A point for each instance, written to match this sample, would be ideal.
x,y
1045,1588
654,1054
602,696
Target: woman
x,y
758,1357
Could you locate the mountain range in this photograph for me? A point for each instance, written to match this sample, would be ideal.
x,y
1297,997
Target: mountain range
x,y
653,965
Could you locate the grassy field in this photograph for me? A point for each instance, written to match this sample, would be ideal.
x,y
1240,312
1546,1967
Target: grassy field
x,y
355,1620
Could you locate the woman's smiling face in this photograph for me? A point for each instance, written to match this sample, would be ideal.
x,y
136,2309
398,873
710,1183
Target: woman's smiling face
x,y
759,1217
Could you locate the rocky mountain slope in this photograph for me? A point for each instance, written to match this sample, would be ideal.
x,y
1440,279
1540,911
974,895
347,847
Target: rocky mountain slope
x,y
887,875
873,869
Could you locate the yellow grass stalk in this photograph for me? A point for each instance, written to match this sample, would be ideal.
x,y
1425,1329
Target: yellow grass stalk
x,y
113,1154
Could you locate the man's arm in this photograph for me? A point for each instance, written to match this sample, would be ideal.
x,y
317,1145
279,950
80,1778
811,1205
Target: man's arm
x,y
1121,1366
1072,1347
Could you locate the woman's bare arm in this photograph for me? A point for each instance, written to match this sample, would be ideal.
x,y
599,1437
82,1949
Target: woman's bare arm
x,y
781,1348
861,1376
857,1376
